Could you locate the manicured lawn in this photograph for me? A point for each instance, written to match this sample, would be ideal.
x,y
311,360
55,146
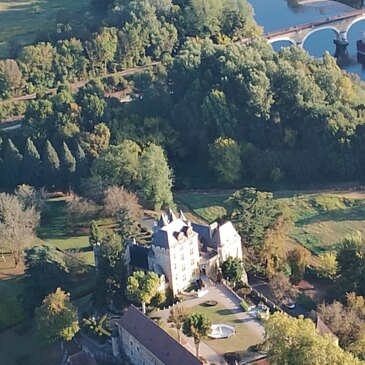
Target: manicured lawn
x,y
23,342
209,206
11,310
57,230
240,342
21,20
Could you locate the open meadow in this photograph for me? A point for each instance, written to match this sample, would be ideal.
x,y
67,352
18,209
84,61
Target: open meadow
x,y
321,220
21,20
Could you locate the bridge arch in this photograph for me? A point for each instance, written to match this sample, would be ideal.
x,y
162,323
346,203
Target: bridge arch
x,y
282,39
315,30
356,20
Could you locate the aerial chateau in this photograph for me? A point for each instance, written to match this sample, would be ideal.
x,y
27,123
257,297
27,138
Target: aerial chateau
x,y
143,342
181,251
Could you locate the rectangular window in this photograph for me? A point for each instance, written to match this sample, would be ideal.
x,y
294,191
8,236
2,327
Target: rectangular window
x,y
192,262
182,257
183,268
191,251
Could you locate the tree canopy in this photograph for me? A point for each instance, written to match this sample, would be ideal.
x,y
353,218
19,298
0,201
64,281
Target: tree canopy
x,y
293,341
142,287
56,318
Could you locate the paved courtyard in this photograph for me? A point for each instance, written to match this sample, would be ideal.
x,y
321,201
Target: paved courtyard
x,y
249,327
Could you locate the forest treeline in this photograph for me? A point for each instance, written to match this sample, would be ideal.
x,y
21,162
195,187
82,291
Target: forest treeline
x,y
236,113
130,33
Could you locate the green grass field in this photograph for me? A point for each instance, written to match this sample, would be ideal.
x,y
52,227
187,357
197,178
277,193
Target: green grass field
x,y
56,229
209,206
240,342
321,221
11,310
21,345
21,20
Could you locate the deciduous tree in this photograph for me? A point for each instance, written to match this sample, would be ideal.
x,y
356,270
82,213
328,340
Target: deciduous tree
x,y
56,319
282,288
46,270
232,269
117,198
298,260
118,165
156,178
260,220
225,160
17,225
294,341
327,266
142,287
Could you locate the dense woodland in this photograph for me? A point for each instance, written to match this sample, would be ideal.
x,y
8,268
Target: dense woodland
x,y
213,102
220,105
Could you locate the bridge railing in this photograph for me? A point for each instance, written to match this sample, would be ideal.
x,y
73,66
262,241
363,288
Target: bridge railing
x,y
314,24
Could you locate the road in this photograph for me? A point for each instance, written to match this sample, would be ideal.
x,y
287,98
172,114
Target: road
x,y
15,122
77,85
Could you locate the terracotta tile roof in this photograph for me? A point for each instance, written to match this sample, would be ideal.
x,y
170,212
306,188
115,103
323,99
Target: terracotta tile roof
x,y
155,339
304,285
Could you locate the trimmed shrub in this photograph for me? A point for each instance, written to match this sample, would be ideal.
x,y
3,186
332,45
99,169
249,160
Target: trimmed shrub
x,y
244,305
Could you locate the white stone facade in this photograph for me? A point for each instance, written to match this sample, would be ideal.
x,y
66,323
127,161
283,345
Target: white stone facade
x,y
136,353
175,249
181,251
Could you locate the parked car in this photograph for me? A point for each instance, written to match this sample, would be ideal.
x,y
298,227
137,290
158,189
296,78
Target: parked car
x,y
290,305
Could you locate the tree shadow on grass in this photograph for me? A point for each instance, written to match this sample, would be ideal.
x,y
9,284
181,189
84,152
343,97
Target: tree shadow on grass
x,y
224,312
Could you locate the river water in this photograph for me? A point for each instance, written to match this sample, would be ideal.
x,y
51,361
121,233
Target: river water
x,y
279,14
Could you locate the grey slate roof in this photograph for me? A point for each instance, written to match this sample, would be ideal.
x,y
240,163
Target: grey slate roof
x,y
204,232
155,339
139,256
166,236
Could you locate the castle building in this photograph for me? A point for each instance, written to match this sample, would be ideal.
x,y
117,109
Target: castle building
x,y
143,342
180,252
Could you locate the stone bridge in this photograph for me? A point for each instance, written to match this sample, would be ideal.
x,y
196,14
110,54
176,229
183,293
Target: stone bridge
x,y
339,24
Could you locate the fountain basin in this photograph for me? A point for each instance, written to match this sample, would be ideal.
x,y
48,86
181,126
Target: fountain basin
x,y
221,331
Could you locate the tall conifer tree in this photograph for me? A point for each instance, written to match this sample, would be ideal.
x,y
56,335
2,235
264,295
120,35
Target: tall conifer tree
x,y
51,165
68,165
31,164
81,162
12,164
